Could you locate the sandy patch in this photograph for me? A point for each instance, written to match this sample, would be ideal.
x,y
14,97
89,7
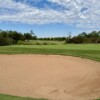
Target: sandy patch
x,y
49,76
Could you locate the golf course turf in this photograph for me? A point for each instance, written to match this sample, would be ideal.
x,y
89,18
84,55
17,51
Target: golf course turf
x,y
8,97
89,51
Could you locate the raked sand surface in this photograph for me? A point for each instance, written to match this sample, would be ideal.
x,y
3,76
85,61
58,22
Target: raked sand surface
x,y
50,76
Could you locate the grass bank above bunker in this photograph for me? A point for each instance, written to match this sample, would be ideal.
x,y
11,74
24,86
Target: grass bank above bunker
x,y
90,51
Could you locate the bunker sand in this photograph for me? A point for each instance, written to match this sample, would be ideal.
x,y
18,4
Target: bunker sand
x,y
50,76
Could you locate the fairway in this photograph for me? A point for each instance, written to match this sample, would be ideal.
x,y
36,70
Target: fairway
x,y
49,76
90,51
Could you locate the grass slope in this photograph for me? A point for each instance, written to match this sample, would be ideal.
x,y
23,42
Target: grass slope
x,y
90,51
8,97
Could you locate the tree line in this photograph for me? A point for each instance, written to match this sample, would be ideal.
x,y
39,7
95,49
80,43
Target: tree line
x,y
12,37
92,37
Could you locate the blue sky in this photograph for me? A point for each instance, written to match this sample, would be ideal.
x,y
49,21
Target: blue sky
x,y
49,18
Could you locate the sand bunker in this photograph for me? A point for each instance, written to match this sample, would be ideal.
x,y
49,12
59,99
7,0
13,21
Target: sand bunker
x,y
49,76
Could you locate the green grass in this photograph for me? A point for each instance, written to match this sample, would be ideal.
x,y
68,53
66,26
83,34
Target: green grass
x,y
41,42
8,97
46,41
90,51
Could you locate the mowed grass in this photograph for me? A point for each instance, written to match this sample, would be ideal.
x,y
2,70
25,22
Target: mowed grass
x,y
90,51
8,97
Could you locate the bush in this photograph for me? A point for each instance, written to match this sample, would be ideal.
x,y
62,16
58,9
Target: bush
x,y
37,43
53,44
3,41
45,43
20,42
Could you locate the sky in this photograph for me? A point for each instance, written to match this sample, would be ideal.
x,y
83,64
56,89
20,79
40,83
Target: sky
x,y
50,18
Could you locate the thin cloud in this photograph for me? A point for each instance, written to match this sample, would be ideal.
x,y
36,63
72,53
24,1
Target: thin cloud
x,y
81,13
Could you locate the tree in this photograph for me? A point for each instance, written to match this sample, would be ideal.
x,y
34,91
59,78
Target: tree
x,y
28,36
15,36
68,38
3,40
34,37
32,33
95,36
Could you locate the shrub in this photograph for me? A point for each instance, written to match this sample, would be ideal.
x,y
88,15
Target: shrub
x,y
37,43
45,43
3,41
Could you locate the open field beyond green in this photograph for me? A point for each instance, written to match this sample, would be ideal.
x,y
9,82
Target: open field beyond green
x,y
41,42
8,97
49,42
90,51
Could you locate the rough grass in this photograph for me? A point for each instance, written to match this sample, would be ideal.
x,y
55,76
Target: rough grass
x,y
90,51
40,42
8,97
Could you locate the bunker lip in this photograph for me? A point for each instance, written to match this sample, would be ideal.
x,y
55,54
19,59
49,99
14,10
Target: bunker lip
x,y
49,76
